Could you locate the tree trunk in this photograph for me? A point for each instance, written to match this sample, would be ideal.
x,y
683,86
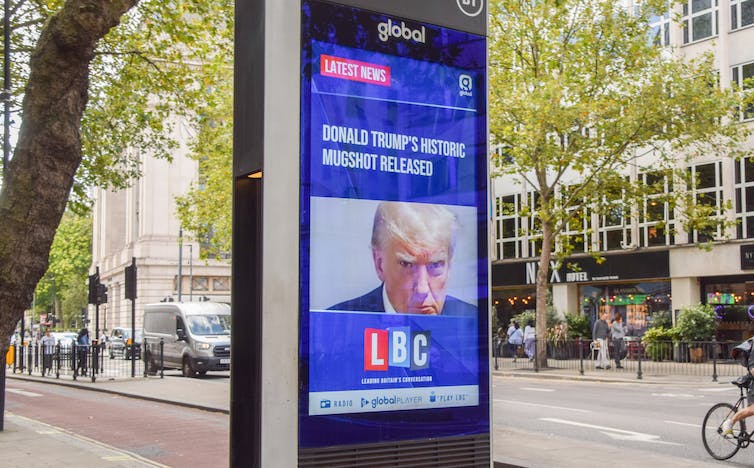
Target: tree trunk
x,y
39,178
542,275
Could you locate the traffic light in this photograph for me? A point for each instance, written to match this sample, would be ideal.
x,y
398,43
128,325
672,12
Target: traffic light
x,y
131,280
93,287
101,294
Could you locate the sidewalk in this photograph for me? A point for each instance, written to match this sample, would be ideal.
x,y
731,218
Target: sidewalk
x,y
512,447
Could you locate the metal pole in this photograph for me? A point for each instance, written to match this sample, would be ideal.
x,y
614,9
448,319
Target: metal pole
x,y
581,357
133,328
6,88
180,262
638,358
714,359
191,272
96,310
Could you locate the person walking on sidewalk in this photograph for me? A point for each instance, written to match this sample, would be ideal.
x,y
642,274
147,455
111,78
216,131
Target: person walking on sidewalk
x,y
515,338
617,332
48,349
600,335
530,336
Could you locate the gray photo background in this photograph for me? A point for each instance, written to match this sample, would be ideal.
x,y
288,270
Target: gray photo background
x,y
340,254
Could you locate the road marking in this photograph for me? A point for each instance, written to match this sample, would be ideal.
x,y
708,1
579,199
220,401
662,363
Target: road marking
x,y
18,391
682,424
716,389
677,395
532,389
514,402
48,432
115,458
618,434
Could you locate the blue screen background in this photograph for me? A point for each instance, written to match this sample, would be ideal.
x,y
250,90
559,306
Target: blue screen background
x,y
422,101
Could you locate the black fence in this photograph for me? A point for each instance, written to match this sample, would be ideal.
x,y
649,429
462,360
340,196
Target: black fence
x,y
82,362
635,359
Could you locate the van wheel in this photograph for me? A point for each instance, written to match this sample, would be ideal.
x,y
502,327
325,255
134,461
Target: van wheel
x,y
186,369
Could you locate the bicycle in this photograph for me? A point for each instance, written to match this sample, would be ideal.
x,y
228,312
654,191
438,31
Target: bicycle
x,y
723,446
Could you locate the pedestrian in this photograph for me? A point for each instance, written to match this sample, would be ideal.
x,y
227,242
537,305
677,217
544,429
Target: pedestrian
x,y
515,338
48,349
82,346
617,332
530,337
600,335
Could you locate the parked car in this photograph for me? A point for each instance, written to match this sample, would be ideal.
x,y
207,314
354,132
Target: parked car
x,y
121,344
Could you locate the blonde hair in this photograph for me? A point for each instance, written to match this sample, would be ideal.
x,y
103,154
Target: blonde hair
x,y
418,225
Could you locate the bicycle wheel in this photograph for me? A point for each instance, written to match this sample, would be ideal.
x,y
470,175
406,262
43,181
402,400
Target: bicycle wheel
x,y
721,446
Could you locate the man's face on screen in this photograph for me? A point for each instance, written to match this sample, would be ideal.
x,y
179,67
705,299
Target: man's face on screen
x,y
415,276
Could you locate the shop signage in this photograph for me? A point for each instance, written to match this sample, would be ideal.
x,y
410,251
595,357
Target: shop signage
x,y
586,269
747,257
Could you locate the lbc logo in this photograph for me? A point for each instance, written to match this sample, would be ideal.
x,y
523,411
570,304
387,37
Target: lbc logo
x,y
395,347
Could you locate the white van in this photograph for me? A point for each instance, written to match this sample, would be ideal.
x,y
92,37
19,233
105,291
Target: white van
x,y
195,336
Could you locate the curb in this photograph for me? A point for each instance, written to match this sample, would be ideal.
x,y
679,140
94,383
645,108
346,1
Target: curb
x,y
119,393
587,378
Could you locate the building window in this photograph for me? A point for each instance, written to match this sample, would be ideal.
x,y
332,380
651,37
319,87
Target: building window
x,y
744,186
700,19
659,29
741,13
200,283
574,233
614,228
656,216
742,77
708,191
221,284
507,227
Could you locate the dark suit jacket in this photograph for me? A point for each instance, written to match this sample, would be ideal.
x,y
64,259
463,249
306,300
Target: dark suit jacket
x,y
372,302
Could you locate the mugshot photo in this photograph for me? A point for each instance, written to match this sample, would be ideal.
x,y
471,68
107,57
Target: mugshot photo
x,y
377,256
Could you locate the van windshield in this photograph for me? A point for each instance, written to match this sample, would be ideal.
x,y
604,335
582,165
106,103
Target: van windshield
x,y
209,324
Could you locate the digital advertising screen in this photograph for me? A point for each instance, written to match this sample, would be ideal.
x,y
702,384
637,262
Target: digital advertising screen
x,y
394,266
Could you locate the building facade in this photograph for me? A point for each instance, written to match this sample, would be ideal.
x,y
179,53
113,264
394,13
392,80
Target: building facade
x,y
140,222
651,265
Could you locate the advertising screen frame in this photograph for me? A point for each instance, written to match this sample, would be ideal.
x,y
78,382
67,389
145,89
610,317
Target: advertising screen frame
x,y
468,52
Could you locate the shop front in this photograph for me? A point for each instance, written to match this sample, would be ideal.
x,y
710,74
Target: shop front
x,y
733,300
635,284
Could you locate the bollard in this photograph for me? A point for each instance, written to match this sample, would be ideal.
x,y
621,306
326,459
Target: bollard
x,y
162,361
30,359
495,352
144,354
57,361
95,361
714,359
536,356
638,358
75,359
15,357
581,357
36,356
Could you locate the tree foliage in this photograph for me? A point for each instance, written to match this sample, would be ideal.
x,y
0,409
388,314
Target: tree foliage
x,y
63,288
579,96
205,210
101,85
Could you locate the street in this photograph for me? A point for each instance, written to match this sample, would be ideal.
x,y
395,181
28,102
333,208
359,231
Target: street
x,y
654,418
538,422
167,434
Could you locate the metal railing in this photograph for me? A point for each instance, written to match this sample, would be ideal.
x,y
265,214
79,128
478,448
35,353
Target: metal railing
x,y
637,359
83,362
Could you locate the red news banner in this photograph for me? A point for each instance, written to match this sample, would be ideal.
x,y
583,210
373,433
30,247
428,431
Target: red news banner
x,y
354,70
